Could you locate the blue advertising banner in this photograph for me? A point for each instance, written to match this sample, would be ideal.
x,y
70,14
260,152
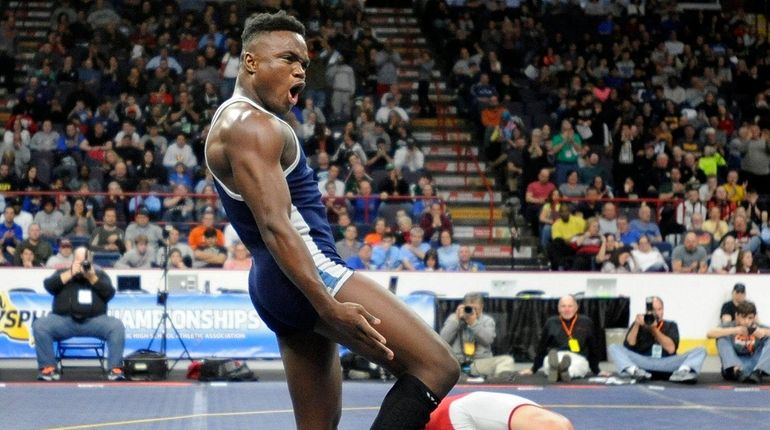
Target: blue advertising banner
x,y
224,325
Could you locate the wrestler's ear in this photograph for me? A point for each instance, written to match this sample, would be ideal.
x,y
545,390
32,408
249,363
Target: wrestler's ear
x,y
249,61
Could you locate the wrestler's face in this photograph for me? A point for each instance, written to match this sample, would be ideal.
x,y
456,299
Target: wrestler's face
x,y
276,63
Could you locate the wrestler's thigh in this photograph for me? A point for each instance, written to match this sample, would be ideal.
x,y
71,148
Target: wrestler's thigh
x,y
417,348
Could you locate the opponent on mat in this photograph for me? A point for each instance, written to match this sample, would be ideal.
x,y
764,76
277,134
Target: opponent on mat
x,y
298,284
482,410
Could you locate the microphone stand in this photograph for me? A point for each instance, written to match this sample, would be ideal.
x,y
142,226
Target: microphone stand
x,y
165,319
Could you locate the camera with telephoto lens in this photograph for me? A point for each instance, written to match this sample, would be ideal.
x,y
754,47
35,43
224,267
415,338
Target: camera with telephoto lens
x,y
468,309
649,312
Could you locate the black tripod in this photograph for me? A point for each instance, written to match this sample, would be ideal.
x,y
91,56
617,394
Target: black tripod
x,y
165,319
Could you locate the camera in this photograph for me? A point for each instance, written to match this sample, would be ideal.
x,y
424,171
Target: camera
x,y
468,309
751,329
86,266
649,312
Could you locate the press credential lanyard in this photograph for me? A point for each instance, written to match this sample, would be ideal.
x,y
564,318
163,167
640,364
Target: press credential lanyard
x,y
574,345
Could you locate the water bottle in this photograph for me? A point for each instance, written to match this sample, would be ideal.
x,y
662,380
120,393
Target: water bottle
x,y
207,287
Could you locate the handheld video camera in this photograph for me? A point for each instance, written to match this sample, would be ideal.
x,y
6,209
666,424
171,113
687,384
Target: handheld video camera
x,y
649,312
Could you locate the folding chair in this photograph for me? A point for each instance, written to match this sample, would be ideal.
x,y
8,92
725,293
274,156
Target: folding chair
x,y
79,348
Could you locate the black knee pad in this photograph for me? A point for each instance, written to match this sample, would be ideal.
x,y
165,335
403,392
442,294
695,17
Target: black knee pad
x,y
407,406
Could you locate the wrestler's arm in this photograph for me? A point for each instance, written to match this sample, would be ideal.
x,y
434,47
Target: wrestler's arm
x,y
254,144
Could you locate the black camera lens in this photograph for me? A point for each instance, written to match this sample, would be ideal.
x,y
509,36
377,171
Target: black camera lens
x,y
86,265
649,318
468,309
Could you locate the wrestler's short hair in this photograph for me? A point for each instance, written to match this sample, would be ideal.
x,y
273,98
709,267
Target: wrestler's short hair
x,y
267,22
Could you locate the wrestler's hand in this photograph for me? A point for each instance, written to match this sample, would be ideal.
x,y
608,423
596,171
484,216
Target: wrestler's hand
x,y
356,323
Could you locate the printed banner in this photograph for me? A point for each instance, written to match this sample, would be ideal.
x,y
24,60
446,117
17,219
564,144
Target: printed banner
x,y
224,325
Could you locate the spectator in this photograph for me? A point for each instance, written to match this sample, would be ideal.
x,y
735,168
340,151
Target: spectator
x,y
645,225
409,157
362,260
448,252
715,225
746,263
586,246
755,161
140,256
333,177
22,218
173,242
386,61
40,247
614,257
374,237
431,261
568,342
566,147
689,257
564,229
720,200
736,192
742,346
386,110
651,345
349,245
690,206
386,256
80,302
590,207
536,195
63,258
50,220
11,235
145,199
179,207
727,313
180,152
724,258
548,215
470,332
572,188
393,185
366,204
648,258
435,221
746,236
240,258
108,237
608,220
210,254
196,237
413,252
143,227
465,262
342,80
335,205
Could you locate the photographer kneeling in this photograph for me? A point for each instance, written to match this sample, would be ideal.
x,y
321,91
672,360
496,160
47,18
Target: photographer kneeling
x,y
81,293
470,333
650,346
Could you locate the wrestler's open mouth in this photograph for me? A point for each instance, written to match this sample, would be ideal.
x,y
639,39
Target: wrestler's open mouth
x,y
296,89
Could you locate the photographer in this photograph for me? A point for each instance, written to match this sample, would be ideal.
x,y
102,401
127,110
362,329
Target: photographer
x,y
743,345
470,333
81,293
650,346
568,344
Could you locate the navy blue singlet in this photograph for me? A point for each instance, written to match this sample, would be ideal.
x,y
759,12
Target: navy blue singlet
x,y
280,304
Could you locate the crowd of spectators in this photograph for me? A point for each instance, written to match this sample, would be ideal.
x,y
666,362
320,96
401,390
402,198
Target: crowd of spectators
x,y
111,123
579,104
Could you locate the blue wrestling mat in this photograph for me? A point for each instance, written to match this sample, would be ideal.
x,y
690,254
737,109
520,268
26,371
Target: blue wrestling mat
x,y
266,405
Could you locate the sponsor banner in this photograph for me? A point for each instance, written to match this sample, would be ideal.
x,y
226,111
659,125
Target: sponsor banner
x,y
223,325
